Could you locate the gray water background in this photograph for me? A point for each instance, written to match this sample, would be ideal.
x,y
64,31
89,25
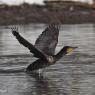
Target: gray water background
x,y
72,75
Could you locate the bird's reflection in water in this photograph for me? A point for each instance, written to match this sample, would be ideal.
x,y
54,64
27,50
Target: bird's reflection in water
x,y
44,86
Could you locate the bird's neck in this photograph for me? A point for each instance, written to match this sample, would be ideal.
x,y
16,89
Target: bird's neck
x,y
61,53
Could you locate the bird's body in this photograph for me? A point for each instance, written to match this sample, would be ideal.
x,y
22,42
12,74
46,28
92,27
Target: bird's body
x,y
44,48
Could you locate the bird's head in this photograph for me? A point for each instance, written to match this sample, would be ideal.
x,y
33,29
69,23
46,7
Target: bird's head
x,y
68,49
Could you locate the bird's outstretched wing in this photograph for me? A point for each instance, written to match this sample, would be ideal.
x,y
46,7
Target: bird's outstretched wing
x,y
48,40
37,53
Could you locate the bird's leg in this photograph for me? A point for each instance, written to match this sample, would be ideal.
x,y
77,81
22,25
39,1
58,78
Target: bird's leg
x,y
39,72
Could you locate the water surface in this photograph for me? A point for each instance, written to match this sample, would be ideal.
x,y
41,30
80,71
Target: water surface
x,y
72,75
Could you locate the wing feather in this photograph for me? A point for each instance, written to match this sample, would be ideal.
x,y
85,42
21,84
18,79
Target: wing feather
x,y
48,40
24,42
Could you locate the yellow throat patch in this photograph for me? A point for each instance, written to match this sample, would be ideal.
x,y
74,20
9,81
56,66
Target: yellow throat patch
x,y
70,50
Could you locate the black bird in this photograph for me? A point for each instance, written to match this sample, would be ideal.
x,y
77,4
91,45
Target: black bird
x,y
44,47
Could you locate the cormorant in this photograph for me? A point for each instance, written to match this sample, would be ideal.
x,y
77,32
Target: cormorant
x,y
44,47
